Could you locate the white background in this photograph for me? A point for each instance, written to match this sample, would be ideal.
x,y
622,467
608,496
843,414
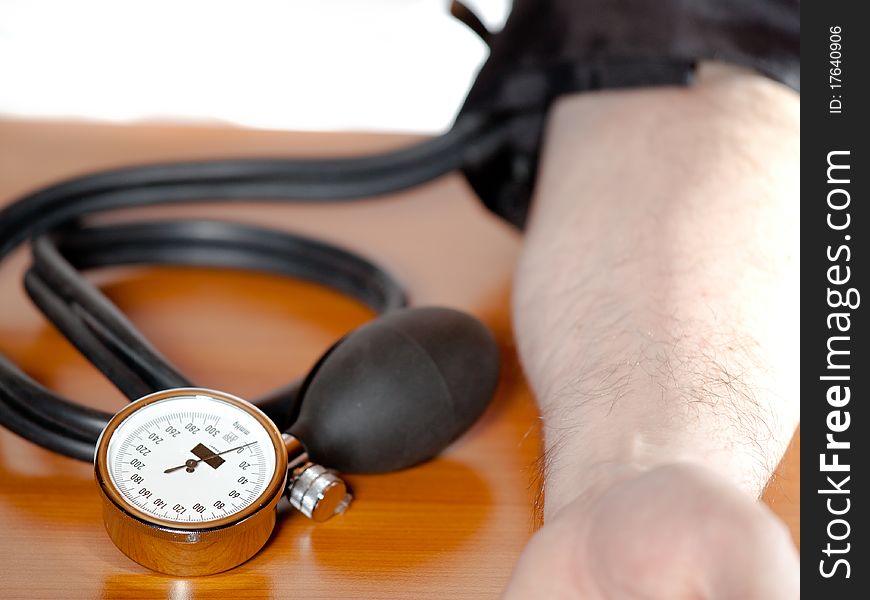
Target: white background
x,y
396,65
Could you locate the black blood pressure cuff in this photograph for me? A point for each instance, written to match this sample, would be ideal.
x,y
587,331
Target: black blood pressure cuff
x,y
553,47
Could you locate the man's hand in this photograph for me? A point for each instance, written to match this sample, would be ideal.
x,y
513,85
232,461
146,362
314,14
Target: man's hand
x,y
675,532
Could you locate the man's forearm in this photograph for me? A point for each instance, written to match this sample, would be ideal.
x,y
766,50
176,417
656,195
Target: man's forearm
x,y
656,304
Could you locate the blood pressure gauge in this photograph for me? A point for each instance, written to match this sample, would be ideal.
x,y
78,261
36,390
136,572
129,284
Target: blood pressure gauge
x,y
190,480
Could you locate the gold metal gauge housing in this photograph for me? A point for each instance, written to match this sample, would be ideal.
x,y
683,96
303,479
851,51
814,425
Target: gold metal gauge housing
x,y
202,545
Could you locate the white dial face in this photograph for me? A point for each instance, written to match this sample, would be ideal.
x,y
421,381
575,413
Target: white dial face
x,y
191,458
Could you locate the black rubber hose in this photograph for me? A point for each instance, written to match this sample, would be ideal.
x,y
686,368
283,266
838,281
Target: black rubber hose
x,y
105,336
247,180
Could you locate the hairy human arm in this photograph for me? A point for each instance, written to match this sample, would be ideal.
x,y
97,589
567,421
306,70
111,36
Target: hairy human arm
x,y
656,301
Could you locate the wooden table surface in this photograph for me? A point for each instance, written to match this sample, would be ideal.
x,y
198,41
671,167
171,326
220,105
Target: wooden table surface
x,y
451,528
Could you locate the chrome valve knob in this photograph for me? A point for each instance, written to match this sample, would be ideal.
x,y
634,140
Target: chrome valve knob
x,y
317,492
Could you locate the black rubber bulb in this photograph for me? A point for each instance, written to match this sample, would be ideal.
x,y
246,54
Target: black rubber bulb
x,y
397,391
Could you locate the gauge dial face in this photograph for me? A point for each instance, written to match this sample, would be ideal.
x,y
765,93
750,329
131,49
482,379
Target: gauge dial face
x,y
191,458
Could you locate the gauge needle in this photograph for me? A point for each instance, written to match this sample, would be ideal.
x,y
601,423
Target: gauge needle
x,y
191,464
